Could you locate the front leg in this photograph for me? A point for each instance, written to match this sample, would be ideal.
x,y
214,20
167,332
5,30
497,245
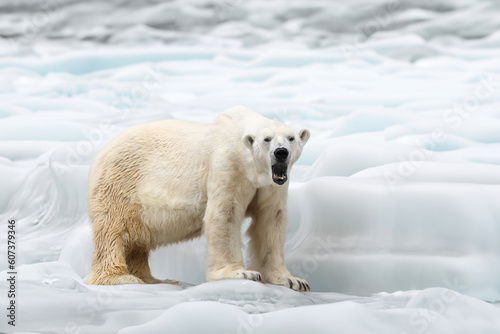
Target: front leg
x,y
223,220
267,238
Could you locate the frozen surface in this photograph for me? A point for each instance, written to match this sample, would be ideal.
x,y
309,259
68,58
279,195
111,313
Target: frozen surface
x,y
394,215
57,300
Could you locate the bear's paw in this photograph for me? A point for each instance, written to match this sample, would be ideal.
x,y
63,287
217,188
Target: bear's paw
x,y
250,275
294,283
235,274
114,279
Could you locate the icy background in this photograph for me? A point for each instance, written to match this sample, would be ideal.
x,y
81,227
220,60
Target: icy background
x,y
394,205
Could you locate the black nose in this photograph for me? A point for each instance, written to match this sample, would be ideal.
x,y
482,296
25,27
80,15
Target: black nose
x,y
281,154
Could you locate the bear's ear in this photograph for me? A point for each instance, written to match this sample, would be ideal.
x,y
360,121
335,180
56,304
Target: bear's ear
x,y
248,140
304,135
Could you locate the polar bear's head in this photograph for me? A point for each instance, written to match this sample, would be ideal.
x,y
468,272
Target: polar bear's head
x,y
275,148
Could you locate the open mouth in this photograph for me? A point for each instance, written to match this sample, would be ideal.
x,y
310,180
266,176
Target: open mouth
x,y
279,173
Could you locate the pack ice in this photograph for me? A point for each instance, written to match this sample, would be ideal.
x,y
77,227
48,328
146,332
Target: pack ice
x,y
394,215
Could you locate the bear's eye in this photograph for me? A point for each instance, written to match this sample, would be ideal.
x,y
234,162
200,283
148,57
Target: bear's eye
x,y
267,139
291,138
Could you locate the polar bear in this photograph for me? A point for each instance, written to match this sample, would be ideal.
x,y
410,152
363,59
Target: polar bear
x,y
168,181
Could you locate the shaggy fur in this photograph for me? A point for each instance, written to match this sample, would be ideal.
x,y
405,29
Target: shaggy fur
x,y
169,181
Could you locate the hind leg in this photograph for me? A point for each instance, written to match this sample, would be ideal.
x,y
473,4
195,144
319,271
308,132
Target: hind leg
x,y
108,262
138,265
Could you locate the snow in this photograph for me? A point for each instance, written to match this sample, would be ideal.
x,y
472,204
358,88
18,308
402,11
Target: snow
x,y
394,216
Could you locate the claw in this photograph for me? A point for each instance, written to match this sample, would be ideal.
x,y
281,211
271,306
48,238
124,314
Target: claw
x,y
290,282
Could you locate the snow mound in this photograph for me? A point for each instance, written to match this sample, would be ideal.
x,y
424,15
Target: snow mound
x,y
394,219
235,306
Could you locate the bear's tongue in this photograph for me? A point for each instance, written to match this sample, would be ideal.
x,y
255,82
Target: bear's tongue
x,y
279,173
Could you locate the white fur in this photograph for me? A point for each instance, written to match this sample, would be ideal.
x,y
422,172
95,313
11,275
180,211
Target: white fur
x,y
193,177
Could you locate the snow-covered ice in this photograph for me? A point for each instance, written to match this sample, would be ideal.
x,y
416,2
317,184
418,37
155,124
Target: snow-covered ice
x,y
394,215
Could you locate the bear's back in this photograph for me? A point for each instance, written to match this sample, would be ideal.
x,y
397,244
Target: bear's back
x,y
144,146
